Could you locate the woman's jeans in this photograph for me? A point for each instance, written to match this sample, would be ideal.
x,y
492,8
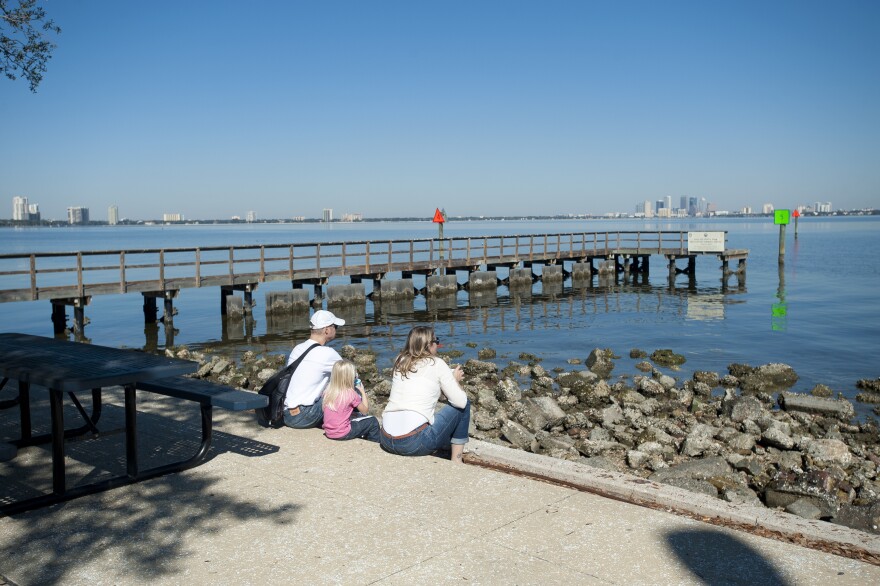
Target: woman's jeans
x,y
450,427
309,416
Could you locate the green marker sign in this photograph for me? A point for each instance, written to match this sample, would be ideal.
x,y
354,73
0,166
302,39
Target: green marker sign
x,y
781,217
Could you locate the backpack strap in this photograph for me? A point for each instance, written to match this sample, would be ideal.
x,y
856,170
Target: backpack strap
x,y
293,365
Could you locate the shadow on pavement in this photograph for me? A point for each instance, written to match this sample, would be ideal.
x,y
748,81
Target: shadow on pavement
x,y
715,557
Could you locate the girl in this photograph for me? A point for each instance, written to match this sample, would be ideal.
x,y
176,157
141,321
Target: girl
x,y
409,425
344,394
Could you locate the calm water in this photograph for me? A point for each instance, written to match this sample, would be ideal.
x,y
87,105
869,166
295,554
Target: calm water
x,y
825,324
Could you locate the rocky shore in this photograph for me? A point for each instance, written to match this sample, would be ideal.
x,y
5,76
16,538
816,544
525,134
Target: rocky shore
x,y
741,436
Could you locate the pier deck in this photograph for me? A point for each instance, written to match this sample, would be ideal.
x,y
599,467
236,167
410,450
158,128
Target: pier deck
x,y
72,278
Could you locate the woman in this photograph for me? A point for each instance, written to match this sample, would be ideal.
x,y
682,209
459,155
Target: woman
x,y
409,425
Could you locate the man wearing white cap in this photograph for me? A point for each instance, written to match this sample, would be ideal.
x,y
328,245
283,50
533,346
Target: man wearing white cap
x,y
302,404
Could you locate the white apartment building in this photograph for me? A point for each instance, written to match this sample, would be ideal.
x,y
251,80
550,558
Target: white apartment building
x,y
172,217
251,216
113,215
20,209
767,208
327,215
77,215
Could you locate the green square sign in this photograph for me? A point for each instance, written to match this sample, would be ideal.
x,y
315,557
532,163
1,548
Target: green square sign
x,y
781,217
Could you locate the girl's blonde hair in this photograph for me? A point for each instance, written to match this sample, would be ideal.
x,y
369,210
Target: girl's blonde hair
x,y
418,347
341,380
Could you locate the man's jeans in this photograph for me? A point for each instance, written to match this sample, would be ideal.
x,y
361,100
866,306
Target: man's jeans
x,y
309,416
450,427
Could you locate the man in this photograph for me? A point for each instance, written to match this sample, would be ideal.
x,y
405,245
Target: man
x,y
302,404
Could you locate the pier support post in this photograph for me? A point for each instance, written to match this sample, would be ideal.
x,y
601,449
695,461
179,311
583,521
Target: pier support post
x,y
150,309
59,318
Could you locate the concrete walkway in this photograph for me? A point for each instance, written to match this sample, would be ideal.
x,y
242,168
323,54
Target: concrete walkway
x,y
293,507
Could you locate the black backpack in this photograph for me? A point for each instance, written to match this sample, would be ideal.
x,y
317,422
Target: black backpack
x,y
276,390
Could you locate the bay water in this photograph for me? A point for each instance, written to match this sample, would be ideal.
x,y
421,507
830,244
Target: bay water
x,y
817,312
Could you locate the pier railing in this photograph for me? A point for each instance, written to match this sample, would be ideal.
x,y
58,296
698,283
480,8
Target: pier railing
x,y
64,275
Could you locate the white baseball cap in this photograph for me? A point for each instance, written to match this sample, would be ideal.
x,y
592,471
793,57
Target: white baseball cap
x,y
323,318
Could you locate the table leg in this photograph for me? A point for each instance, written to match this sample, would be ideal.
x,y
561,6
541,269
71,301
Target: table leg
x,y
24,409
131,455
57,409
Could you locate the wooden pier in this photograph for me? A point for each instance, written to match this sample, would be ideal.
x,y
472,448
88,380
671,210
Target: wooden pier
x,y
71,279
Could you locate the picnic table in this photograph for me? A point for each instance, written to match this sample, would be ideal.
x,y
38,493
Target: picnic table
x,y
69,367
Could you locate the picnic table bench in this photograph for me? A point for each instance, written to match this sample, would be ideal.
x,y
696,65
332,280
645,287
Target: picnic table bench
x,y
67,367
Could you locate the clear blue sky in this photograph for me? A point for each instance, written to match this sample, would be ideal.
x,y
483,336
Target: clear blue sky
x,y
213,108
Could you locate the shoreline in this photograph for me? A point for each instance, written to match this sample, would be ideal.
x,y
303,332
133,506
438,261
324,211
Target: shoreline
x,y
740,437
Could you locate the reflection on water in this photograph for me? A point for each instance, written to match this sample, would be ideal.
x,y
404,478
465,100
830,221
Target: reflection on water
x,y
779,309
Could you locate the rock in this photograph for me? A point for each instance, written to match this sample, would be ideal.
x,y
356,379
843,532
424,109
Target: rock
x,y
600,362
869,384
595,448
697,446
508,391
775,436
741,495
708,378
804,508
651,387
486,354
820,486
204,370
838,408
821,391
751,466
645,366
265,374
637,459
729,381
599,434
220,366
611,415
635,354
864,518
768,378
479,369
740,409
542,413
665,380
485,420
519,436
668,358
827,451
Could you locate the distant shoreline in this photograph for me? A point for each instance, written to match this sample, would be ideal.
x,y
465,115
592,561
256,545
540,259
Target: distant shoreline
x,y
6,223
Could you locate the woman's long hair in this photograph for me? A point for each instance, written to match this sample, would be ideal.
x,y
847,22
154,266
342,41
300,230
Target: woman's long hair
x,y
341,380
418,347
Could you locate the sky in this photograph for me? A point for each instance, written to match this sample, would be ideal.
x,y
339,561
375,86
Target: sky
x,y
391,108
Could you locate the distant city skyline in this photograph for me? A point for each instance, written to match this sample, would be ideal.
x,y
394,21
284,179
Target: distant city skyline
x,y
393,109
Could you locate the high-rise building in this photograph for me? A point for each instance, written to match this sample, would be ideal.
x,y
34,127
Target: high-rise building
x,y
823,207
659,205
20,210
172,217
113,215
252,216
328,215
668,203
767,208
683,203
692,206
34,212
77,215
